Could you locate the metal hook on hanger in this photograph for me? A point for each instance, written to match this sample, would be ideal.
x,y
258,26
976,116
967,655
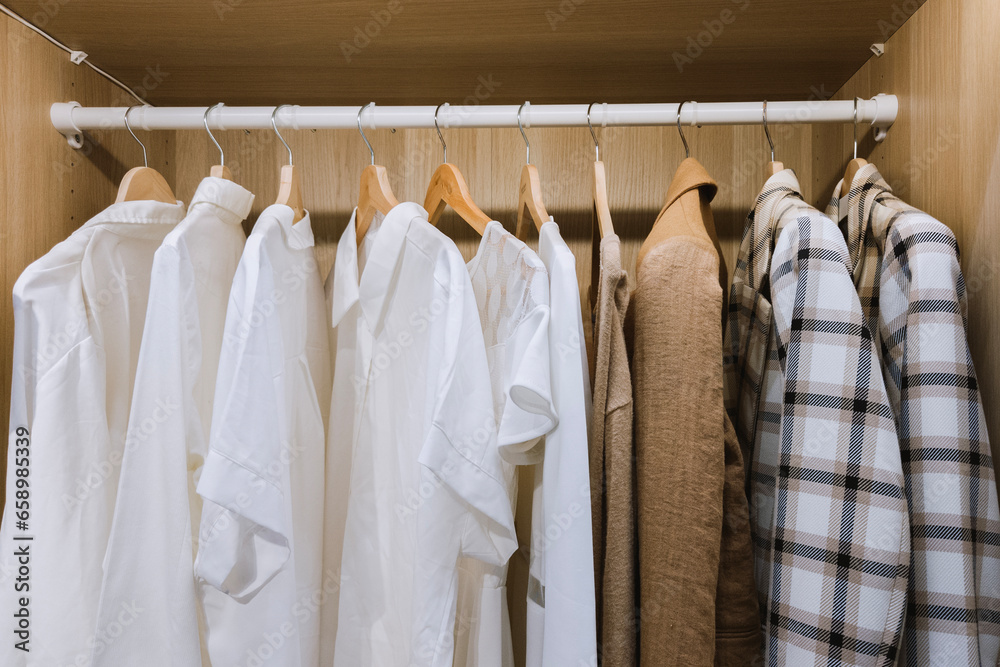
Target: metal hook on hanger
x,y
597,147
527,146
145,162
856,127
275,126
444,146
767,132
222,156
687,150
363,137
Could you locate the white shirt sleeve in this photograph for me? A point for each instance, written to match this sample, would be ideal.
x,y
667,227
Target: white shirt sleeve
x,y
528,414
245,527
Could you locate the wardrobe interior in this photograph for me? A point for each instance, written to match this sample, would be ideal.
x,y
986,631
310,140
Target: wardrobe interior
x,y
941,155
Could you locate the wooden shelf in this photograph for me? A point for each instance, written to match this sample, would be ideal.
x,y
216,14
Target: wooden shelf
x,y
554,51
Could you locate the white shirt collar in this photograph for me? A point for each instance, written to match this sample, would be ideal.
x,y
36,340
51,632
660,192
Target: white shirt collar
x,y
298,235
140,211
371,288
231,200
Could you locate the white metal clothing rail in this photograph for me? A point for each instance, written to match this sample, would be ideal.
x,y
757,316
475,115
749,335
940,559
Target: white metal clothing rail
x,y
71,119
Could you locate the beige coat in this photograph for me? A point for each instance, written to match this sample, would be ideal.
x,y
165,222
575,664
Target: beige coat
x,y
697,600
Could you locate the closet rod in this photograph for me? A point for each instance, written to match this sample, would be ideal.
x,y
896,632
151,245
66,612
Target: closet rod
x,y
71,119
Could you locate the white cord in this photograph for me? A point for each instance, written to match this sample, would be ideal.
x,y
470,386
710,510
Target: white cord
x,y
76,56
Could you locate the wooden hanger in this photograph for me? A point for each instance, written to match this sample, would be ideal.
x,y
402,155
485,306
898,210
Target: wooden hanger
x,y
772,167
143,183
602,212
220,170
448,188
375,194
530,203
290,186
855,164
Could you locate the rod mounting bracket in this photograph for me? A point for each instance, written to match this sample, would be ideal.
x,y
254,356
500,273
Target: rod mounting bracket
x,y
886,108
61,114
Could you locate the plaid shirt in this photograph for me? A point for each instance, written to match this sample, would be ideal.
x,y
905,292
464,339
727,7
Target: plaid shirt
x,y
906,268
825,480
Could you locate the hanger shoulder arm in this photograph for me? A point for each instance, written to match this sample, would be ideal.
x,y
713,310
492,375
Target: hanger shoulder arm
x,y
145,183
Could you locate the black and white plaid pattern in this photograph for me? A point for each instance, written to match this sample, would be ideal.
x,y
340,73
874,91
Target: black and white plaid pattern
x,y
828,510
907,264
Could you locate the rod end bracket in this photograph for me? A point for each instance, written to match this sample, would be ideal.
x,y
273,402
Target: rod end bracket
x,y
61,114
886,110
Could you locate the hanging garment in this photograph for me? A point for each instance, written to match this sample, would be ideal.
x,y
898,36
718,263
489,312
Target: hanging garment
x,y
511,287
78,319
418,439
906,268
260,541
561,607
697,602
612,467
831,533
150,556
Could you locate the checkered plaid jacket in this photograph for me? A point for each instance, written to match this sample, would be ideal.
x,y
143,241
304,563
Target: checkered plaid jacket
x,y
906,268
825,481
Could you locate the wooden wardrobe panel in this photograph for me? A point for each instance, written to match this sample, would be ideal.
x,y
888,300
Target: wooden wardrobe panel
x,y
943,153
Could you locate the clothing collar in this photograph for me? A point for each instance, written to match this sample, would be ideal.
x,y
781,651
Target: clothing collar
x,y
371,288
298,235
232,202
690,175
780,192
858,214
141,212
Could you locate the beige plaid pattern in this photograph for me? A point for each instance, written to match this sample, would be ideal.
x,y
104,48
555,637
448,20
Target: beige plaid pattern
x,y
825,482
906,268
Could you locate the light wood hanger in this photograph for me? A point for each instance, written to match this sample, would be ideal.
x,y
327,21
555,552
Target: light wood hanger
x,y
530,203
375,194
602,212
220,170
290,186
448,188
855,164
143,183
772,167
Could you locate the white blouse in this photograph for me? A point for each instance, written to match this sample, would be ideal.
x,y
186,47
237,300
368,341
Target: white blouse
x,y
260,541
78,320
150,557
414,477
512,292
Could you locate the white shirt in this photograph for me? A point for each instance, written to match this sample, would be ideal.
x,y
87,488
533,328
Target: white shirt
x,y
562,625
262,482
512,292
413,422
150,557
78,314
